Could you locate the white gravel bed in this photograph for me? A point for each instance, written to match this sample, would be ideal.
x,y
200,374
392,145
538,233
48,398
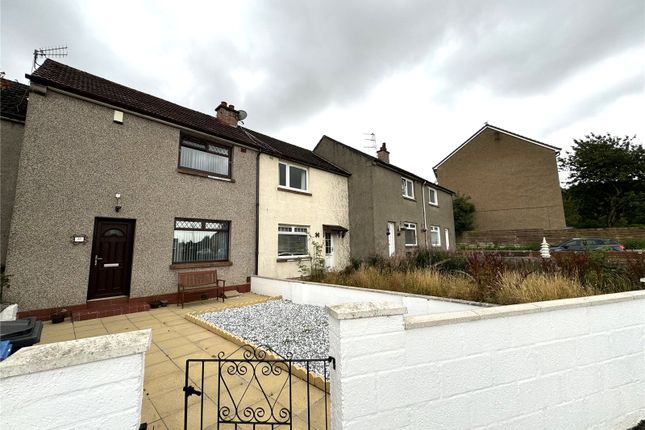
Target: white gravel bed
x,y
290,329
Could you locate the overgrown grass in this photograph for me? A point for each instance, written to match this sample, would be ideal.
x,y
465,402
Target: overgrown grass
x,y
634,243
493,278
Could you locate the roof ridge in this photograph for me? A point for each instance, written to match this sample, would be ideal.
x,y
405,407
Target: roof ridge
x,y
79,82
389,166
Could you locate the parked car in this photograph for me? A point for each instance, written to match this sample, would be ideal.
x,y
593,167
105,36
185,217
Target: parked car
x,y
588,244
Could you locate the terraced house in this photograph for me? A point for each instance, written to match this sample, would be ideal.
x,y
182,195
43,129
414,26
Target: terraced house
x,y
303,204
392,211
117,190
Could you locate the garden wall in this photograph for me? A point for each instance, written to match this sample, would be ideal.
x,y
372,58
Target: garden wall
x,y
564,364
89,383
312,293
553,237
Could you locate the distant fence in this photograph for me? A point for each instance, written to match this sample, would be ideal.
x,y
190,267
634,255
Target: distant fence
x,y
528,236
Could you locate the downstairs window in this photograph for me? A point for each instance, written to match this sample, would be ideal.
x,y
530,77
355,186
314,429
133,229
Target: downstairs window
x,y
197,240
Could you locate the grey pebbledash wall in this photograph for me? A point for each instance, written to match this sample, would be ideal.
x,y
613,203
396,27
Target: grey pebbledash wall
x,y
74,159
11,133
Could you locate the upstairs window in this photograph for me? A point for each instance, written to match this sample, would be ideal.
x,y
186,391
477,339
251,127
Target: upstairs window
x,y
197,240
292,177
435,236
433,198
410,230
205,157
292,240
407,188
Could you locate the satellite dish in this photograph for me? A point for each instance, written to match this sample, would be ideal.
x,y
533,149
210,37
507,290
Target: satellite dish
x,y
241,115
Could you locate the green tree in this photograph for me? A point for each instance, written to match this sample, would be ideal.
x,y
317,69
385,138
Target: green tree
x,y
464,213
606,185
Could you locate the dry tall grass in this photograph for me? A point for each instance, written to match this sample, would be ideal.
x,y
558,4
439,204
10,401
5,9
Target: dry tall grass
x,y
510,288
515,288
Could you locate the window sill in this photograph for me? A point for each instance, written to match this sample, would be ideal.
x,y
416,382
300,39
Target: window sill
x,y
179,266
295,191
409,198
288,259
434,204
411,246
203,175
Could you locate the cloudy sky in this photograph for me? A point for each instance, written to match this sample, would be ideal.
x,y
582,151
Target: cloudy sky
x,y
422,75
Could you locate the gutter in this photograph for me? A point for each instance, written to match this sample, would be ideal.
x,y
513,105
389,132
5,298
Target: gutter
x,y
425,222
257,212
262,148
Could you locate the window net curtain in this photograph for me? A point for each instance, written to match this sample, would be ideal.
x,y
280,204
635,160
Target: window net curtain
x,y
206,161
189,246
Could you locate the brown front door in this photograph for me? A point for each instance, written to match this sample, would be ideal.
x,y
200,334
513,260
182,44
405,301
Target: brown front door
x,y
111,262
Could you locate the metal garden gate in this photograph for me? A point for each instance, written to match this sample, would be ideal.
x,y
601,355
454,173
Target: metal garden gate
x,y
249,390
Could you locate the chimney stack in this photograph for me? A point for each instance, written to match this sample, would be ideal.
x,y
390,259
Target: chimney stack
x,y
383,154
227,114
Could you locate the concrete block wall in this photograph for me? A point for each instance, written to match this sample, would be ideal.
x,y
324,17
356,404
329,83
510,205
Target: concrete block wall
x,y
89,383
564,364
313,293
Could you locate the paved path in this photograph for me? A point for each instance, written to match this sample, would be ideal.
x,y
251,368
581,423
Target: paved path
x,y
174,339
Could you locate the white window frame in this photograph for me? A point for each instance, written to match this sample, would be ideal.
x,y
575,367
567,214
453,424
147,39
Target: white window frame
x,y
435,229
413,227
288,177
404,188
294,230
431,201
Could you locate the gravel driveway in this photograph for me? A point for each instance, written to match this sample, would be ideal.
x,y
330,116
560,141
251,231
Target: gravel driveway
x,y
291,330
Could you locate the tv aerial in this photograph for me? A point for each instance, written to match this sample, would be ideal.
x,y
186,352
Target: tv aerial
x,y
371,138
55,52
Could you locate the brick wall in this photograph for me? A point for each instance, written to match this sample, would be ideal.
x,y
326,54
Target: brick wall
x,y
524,237
574,364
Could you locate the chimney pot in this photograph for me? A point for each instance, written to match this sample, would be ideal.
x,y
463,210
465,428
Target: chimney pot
x,y
383,154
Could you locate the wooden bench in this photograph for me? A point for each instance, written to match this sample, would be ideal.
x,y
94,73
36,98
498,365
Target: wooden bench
x,y
197,282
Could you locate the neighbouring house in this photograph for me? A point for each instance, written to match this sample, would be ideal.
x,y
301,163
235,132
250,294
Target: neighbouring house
x,y
13,102
391,210
303,201
511,179
118,190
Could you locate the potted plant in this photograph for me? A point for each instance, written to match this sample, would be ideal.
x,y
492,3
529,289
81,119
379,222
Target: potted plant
x,y
58,316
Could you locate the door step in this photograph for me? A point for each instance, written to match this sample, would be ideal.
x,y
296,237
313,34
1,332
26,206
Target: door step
x,y
231,293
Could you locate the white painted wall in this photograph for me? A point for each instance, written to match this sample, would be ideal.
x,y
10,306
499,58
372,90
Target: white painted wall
x,y
93,383
566,364
312,293
327,204
9,313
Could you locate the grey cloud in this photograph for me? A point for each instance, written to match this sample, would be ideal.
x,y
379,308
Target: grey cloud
x,y
595,103
331,53
319,54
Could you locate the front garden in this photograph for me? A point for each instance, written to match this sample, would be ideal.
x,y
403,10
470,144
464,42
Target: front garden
x,y
494,277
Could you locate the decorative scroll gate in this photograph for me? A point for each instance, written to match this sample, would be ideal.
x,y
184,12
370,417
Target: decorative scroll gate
x,y
247,390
